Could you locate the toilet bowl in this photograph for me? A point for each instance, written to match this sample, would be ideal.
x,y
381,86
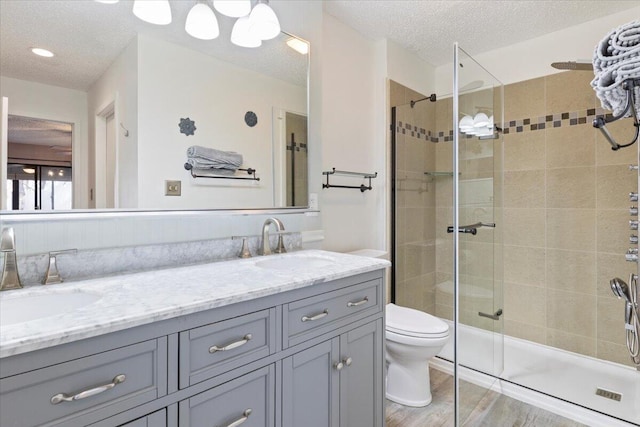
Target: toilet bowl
x,y
412,338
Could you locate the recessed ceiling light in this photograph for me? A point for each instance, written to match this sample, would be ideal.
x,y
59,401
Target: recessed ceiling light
x,y
42,52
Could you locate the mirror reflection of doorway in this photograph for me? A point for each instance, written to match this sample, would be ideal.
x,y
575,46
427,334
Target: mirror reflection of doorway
x,y
39,159
297,187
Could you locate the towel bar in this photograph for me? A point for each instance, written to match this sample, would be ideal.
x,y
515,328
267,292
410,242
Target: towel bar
x,y
362,187
249,171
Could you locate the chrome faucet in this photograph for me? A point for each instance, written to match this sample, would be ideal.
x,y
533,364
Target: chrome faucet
x,y
10,279
265,247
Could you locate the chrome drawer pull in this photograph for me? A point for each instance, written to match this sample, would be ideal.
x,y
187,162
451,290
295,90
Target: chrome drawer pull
x,y
231,346
245,417
355,304
61,397
315,316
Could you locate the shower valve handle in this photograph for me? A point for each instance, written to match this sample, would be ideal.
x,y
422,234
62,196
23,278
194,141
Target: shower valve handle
x,y
633,197
633,210
633,239
633,224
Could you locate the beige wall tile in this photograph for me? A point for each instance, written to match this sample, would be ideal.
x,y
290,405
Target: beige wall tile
x,y
524,189
569,146
571,312
611,321
444,311
525,304
525,331
569,91
444,115
524,227
613,185
572,229
444,157
415,155
570,342
396,93
613,231
571,188
524,151
419,259
614,352
524,265
573,271
608,267
623,132
524,99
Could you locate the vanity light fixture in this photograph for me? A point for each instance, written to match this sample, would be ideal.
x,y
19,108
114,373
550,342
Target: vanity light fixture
x,y
300,46
202,23
153,11
233,8
240,35
42,52
480,120
263,21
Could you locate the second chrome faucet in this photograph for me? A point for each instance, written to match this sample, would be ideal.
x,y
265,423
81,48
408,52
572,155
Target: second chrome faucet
x,y
265,247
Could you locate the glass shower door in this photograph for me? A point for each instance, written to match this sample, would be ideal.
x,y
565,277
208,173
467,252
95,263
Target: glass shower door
x,y
477,182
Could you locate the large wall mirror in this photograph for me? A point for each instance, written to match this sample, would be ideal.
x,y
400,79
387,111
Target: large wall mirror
x,y
107,121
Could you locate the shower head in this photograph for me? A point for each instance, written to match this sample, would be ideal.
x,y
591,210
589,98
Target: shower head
x,y
573,65
620,289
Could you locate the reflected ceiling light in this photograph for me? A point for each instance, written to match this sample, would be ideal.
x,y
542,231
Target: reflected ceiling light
x,y
233,8
298,45
61,172
202,23
50,173
28,170
241,36
480,120
466,123
42,52
263,21
153,11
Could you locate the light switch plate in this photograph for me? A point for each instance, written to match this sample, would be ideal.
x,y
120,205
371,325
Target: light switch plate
x,y
172,188
313,201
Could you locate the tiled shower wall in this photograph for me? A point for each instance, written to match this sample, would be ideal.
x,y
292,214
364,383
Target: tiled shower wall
x,y
565,216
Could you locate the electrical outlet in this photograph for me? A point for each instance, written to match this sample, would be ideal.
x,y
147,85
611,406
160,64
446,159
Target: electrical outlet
x,y
172,188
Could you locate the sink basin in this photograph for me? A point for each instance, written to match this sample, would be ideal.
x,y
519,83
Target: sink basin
x,y
295,262
25,308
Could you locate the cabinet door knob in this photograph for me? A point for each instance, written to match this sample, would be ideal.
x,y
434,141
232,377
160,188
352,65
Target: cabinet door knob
x,y
348,361
241,420
62,397
338,366
231,346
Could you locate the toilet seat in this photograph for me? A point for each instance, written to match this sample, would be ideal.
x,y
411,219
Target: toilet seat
x,y
414,323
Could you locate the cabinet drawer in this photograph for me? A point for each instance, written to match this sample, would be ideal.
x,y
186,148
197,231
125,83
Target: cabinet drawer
x,y
157,419
87,389
308,317
249,398
211,350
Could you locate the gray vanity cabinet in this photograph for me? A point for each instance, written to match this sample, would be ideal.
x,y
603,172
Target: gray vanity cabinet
x,y
309,357
337,383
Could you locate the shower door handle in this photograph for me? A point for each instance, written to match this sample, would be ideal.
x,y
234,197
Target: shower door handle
x,y
473,228
494,316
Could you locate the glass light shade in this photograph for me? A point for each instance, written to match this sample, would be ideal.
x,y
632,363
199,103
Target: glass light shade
x,y
263,22
42,52
241,36
201,23
153,11
480,120
466,122
233,8
484,131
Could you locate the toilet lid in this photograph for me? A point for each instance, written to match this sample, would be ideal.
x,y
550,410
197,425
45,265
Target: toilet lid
x,y
415,323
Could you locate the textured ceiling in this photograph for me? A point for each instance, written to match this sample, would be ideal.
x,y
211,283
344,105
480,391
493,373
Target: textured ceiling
x,y
26,130
428,27
87,36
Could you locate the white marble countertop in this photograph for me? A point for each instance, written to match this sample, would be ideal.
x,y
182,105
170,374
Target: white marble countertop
x,y
137,299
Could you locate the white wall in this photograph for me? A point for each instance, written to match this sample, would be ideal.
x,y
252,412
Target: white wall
x,y
409,70
117,87
533,58
216,95
4,148
42,101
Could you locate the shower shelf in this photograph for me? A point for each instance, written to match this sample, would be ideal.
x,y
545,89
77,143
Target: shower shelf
x,y
362,187
250,171
435,174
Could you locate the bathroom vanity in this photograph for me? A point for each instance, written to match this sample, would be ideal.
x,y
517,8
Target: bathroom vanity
x,y
286,340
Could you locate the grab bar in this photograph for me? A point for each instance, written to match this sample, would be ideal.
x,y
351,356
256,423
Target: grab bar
x,y
473,228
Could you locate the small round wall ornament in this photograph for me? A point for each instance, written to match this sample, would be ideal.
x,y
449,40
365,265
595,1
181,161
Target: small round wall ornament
x,y
251,119
187,126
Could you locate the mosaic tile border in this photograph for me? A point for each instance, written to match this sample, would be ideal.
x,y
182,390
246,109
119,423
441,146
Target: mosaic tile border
x,y
573,118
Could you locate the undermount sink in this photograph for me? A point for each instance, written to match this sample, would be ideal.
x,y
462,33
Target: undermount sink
x,y
25,308
294,262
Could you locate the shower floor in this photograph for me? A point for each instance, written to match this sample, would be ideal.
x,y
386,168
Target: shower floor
x,y
494,409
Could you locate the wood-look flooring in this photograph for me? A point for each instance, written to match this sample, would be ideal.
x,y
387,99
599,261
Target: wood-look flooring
x,y
478,408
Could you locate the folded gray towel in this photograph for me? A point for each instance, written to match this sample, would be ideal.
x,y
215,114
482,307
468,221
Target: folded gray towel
x,y
616,59
207,165
212,171
211,157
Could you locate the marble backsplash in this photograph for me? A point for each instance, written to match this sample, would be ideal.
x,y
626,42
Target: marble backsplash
x,y
88,264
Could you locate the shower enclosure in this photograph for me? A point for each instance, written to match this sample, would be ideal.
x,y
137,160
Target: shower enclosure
x,y
512,233
448,177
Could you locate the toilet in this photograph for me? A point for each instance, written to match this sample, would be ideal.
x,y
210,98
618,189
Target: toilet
x,y
412,338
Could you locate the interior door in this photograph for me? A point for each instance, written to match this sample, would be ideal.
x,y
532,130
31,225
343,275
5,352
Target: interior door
x,y
4,146
479,334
